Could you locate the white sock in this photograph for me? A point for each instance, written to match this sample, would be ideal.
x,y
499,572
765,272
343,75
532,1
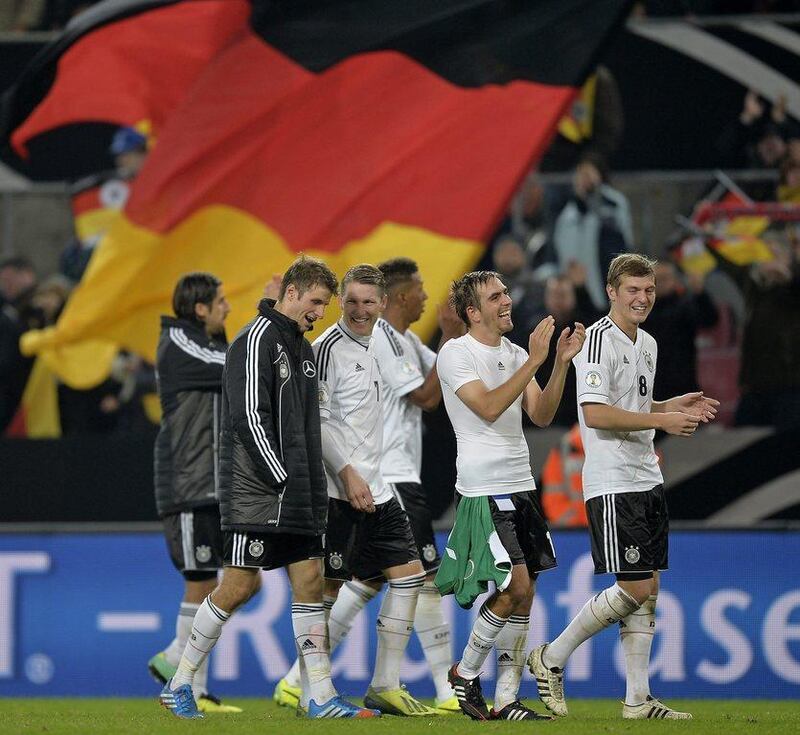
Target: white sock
x,y
510,646
183,626
484,633
434,637
395,623
311,639
206,630
342,613
604,609
636,632
200,683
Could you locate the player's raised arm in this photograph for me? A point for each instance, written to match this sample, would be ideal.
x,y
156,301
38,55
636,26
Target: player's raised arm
x,y
541,405
490,404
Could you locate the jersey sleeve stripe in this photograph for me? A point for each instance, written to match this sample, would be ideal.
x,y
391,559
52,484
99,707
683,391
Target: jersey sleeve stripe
x,y
397,348
204,354
596,342
324,355
251,400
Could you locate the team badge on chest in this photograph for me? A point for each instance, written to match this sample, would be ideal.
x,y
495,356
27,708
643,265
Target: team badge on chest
x,y
648,360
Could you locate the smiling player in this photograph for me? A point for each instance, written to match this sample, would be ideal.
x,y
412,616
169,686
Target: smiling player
x,y
500,532
622,487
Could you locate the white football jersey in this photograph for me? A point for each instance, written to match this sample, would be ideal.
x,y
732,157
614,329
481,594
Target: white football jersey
x,y
404,362
351,400
613,370
493,458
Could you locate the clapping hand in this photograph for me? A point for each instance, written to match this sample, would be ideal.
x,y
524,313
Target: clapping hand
x,y
695,404
539,341
569,343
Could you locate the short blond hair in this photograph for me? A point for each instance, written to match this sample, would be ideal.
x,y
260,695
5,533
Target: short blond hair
x,y
366,274
635,265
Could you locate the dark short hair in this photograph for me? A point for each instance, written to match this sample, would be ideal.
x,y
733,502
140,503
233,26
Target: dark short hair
x,y
397,272
366,274
306,273
18,263
191,289
464,292
635,265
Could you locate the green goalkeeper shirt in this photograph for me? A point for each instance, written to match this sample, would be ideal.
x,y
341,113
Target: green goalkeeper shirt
x,y
474,555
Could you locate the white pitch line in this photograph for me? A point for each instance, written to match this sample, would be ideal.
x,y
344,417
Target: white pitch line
x,y
128,622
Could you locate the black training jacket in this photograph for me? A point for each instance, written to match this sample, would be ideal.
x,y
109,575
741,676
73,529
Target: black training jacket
x,y
271,475
189,368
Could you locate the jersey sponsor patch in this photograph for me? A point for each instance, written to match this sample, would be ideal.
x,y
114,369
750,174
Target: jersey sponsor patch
x,y
309,369
594,379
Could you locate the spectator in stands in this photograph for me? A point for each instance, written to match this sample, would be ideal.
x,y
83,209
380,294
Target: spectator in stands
x,y
770,367
129,148
113,406
510,261
21,15
593,227
758,137
17,315
567,301
789,182
50,296
677,315
530,222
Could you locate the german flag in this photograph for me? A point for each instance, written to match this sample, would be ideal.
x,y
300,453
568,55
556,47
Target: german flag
x,y
351,130
96,202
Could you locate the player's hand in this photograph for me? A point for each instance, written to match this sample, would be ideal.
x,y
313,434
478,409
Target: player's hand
x,y
680,424
357,490
569,344
696,404
539,341
753,108
449,322
272,288
576,272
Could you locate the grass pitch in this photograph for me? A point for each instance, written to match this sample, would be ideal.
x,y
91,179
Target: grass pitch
x,y
587,717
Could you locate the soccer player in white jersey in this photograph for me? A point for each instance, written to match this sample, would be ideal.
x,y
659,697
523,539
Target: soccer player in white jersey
x,y
622,487
368,535
411,385
486,383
